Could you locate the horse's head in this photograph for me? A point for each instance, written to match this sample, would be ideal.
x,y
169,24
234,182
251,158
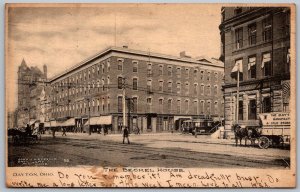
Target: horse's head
x,y
236,127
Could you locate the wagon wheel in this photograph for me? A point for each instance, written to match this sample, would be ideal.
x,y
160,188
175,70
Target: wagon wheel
x,y
263,142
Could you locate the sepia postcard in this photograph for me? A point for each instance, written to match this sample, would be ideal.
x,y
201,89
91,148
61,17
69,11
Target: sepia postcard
x,y
150,95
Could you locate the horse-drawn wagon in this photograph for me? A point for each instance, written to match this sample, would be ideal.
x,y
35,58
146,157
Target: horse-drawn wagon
x,y
30,134
275,129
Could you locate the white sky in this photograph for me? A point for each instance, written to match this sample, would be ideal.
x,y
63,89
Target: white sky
x,y
63,36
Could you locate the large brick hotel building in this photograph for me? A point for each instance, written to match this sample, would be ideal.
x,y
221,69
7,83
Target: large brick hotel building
x,y
160,90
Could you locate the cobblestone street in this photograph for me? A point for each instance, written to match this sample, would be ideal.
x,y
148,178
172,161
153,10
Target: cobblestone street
x,y
146,150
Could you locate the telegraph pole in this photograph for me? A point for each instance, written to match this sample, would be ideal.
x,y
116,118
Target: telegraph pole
x,y
124,103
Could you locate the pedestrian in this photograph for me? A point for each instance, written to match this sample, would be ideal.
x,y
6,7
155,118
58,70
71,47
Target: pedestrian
x,y
138,130
53,131
126,135
64,131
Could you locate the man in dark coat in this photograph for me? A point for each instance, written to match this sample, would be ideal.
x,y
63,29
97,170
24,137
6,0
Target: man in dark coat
x,y
126,135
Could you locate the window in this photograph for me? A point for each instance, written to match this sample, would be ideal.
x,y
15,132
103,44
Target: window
x,y
201,75
241,114
160,85
102,68
208,76
169,105
216,90
89,72
202,90
202,107
161,105
216,108
178,86
252,34
169,71
149,70
267,29
251,67
238,10
98,85
160,71
108,82
98,69
169,86
134,105
195,106
120,82
187,88
208,90
239,38
195,88
120,64
178,106
216,76
108,104
238,68
103,85
135,66
149,85
103,105
266,108
178,72
98,105
134,83
187,72
108,65
195,74
208,107
120,106
252,109
267,64
149,103
186,104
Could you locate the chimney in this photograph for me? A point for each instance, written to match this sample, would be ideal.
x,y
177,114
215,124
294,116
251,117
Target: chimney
x,y
183,55
45,70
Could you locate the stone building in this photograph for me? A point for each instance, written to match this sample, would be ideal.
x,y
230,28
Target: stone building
x,y
160,90
31,81
257,40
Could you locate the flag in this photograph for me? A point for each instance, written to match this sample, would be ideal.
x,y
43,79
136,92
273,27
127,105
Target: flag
x,y
288,56
266,58
252,62
238,66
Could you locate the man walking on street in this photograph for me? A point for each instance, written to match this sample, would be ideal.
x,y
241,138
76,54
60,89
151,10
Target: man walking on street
x,y
126,135
64,131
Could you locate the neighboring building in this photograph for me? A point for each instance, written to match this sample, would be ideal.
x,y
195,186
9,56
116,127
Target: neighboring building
x,y
258,40
160,89
31,81
11,119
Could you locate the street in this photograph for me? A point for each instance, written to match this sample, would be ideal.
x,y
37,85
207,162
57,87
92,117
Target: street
x,y
146,150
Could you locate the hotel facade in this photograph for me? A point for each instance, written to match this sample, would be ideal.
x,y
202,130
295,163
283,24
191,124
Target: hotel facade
x,y
160,90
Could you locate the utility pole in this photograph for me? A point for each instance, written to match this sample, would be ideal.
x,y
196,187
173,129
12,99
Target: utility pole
x,y
124,103
89,107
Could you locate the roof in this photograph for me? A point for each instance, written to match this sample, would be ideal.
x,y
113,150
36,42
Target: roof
x,y
137,52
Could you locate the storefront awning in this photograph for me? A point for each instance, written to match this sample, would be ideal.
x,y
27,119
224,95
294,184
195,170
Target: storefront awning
x,y
69,122
46,124
32,121
102,120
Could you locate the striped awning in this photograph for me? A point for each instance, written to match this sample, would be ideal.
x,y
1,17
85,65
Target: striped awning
x,y
286,91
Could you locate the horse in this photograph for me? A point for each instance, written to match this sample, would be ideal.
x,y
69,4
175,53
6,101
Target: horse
x,y
247,133
240,133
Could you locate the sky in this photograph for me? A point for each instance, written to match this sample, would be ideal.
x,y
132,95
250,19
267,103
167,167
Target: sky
x,y
61,37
